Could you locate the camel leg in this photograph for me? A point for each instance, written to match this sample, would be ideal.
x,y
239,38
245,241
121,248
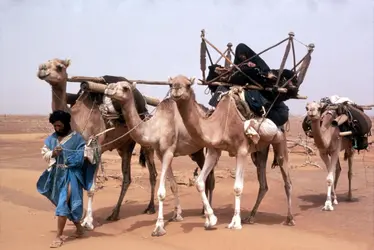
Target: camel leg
x,y
199,158
177,216
331,165
211,160
278,158
336,179
287,181
126,153
159,230
259,158
88,219
350,165
241,159
150,162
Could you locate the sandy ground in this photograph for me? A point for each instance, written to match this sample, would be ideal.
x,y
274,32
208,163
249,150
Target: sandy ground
x,y
27,219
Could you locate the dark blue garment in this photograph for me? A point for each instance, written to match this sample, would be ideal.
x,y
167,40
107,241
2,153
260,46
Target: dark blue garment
x,y
71,169
279,113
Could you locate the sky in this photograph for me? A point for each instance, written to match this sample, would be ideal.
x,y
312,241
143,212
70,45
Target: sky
x,y
154,39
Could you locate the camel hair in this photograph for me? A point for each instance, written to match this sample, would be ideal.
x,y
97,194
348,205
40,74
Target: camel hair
x,y
166,133
224,130
87,119
329,143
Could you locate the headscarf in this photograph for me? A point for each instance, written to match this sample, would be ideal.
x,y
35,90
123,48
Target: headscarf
x,y
242,49
64,118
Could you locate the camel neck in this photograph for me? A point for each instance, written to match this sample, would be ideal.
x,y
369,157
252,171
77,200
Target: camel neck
x,y
59,98
320,133
139,129
192,119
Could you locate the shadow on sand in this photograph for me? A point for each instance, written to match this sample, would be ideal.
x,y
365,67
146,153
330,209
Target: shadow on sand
x,y
318,200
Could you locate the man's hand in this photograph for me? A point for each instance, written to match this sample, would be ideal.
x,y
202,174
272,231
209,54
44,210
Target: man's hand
x,y
57,151
251,64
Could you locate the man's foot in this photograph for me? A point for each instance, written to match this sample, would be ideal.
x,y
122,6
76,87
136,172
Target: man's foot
x,y
56,243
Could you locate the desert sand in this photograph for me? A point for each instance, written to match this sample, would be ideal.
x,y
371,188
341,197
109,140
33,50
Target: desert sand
x,y
27,219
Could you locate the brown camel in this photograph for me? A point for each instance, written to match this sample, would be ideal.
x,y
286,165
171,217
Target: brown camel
x,y
87,119
330,143
224,130
166,133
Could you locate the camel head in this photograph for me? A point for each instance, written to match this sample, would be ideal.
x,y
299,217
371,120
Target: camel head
x,y
313,110
120,91
180,87
54,71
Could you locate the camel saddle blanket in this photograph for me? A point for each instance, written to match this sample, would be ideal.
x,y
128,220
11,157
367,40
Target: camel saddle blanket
x,y
261,128
256,127
111,108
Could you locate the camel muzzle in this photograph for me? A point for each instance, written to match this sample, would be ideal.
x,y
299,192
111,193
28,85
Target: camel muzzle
x,y
42,74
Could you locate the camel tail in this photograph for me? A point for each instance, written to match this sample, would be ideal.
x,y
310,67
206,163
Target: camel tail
x,y
142,158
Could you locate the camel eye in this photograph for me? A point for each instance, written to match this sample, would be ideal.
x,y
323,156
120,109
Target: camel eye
x,y
59,67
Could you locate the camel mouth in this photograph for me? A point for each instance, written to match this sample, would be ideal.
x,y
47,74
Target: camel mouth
x,y
43,76
176,97
313,116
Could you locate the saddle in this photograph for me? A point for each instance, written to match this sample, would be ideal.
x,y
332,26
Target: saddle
x,y
358,123
111,109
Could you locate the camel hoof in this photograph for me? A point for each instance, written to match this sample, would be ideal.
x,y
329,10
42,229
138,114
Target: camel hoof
x,y
159,231
176,218
113,217
234,226
328,206
150,210
88,223
248,220
88,226
289,222
335,202
236,223
210,222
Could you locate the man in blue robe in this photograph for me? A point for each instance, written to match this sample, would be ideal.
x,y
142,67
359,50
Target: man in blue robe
x,y
67,175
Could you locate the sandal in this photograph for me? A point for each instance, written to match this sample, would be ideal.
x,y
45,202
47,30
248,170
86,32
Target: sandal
x,y
56,243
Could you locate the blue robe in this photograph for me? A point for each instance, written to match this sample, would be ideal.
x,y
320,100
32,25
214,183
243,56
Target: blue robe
x,y
70,168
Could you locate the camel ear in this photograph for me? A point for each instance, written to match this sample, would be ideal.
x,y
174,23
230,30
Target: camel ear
x,y
170,79
133,85
192,80
67,62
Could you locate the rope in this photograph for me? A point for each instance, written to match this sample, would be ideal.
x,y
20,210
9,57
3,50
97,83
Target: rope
x,y
67,109
122,136
300,42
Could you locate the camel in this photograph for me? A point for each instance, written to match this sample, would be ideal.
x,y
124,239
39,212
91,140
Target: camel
x,y
87,119
166,133
224,130
330,143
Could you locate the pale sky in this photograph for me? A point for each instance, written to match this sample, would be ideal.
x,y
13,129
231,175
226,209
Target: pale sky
x,y
151,40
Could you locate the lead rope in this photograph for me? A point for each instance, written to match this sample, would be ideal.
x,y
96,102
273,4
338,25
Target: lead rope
x,y
94,137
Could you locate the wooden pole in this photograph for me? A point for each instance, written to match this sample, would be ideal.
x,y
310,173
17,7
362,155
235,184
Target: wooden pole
x,y
100,88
